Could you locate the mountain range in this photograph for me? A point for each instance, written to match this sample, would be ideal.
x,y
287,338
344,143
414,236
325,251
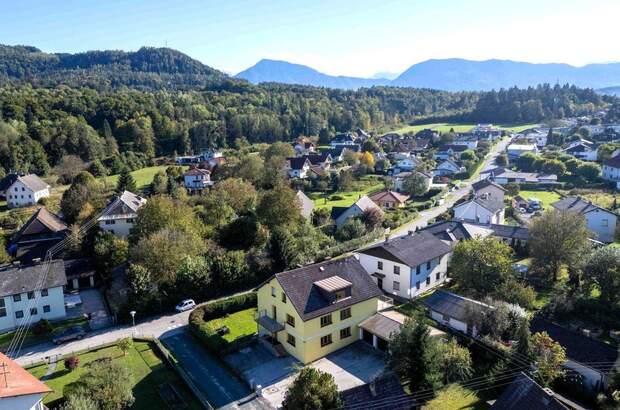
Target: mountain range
x,y
447,74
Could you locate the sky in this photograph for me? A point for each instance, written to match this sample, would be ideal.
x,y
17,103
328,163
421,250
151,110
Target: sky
x,y
340,37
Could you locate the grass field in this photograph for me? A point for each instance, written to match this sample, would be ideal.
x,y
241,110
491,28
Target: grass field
x,y
348,198
240,324
143,176
455,397
546,197
446,127
147,369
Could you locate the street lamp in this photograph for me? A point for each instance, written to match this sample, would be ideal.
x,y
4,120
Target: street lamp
x,y
133,320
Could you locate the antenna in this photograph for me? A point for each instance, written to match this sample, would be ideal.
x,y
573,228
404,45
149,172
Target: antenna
x,y
4,373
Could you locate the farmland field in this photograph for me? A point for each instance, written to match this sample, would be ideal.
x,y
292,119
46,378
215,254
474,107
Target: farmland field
x,y
143,176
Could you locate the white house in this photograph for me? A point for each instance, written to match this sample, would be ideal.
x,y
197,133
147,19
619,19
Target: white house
x,y
454,311
582,151
469,142
342,214
611,170
516,150
480,209
485,188
306,205
450,151
197,179
21,298
120,214
407,266
600,221
448,167
407,164
504,176
22,390
26,190
304,147
399,180
298,167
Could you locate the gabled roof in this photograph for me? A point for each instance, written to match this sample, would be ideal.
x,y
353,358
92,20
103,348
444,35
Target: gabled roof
x,y
308,300
298,162
126,204
33,182
578,348
42,222
460,230
613,162
453,147
19,381
488,204
577,205
26,278
525,394
453,305
477,186
450,163
316,159
412,250
383,393
307,204
197,172
389,196
7,181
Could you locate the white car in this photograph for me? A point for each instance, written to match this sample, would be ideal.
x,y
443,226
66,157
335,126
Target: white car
x,y
187,304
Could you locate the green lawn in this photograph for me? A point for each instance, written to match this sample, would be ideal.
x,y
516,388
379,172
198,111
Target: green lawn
x,y
148,371
546,197
446,127
31,338
455,397
143,176
348,198
240,324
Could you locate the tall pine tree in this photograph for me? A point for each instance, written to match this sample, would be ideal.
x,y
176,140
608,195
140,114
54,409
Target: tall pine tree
x,y
126,182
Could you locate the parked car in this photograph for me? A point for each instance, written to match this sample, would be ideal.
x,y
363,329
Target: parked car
x,y
187,304
69,334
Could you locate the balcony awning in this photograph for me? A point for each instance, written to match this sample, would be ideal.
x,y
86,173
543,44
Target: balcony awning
x,y
270,324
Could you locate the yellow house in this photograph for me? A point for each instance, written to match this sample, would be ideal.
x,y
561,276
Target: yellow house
x,y
315,310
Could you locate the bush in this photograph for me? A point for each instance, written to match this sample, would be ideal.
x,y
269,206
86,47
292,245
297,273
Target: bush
x,y
336,198
42,327
72,362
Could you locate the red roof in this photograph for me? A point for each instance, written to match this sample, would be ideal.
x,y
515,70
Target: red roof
x,y
389,196
197,171
19,381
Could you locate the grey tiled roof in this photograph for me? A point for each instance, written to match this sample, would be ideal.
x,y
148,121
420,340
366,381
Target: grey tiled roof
x,y
33,182
485,183
411,250
452,305
524,394
18,279
576,204
460,230
386,393
309,302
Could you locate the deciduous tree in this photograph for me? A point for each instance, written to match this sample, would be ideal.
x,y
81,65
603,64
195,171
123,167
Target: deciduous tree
x,y
312,389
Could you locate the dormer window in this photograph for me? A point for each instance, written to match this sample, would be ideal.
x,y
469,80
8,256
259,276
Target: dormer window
x,y
334,288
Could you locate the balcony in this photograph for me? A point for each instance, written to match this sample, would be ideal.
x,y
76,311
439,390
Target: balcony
x,y
268,323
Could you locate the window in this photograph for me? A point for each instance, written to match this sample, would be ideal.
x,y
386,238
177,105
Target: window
x,y
44,292
283,297
396,285
418,269
326,340
33,311
19,314
110,222
326,320
290,320
46,308
379,265
438,276
30,295
346,332
345,313
339,294
428,281
273,291
428,265
396,270
605,222
417,285
290,339
17,298
2,308
129,220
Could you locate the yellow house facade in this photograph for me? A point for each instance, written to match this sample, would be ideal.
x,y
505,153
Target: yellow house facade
x,y
315,310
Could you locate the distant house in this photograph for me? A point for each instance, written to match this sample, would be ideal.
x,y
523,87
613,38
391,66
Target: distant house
x,y
338,151
448,167
525,393
454,311
611,170
600,221
305,147
306,204
22,390
342,214
471,142
343,139
582,151
452,232
323,160
23,297
408,265
24,190
389,199
481,209
40,233
407,164
197,179
450,151
120,214
315,310
592,359
503,176
516,150
485,188
399,179
298,167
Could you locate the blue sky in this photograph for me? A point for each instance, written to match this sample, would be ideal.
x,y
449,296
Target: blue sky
x,y
342,37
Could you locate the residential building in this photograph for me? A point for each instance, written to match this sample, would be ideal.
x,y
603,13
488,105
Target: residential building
x,y
454,311
40,233
389,199
23,297
197,179
399,179
26,190
298,167
582,151
481,209
503,176
611,170
450,151
343,139
304,147
338,151
315,310
342,214
408,265
19,390
80,273
323,160
600,221
525,393
383,393
120,214
6,182
470,141
592,359
448,167
485,188
306,204
516,150
407,164
452,232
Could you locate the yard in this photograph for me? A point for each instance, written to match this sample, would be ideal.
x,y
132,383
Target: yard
x,y
598,197
345,198
148,371
143,177
240,324
546,197
31,338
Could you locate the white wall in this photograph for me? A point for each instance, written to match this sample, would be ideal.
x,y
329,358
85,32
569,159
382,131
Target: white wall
x,y
55,300
26,402
602,223
451,322
471,211
19,195
119,227
611,173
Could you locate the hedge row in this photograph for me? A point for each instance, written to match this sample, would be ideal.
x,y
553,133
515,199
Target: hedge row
x,y
349,245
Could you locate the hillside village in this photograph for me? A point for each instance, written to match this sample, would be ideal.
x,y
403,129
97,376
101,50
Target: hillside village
x,y
492,246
